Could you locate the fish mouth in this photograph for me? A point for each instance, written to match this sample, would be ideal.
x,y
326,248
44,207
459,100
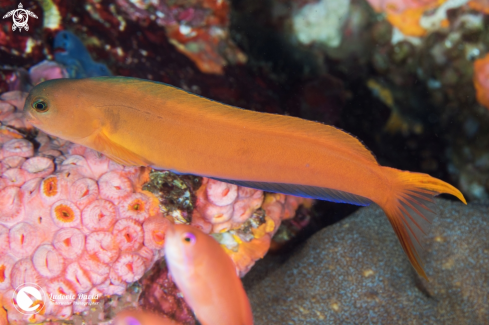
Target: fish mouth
x,y
170,231
30,119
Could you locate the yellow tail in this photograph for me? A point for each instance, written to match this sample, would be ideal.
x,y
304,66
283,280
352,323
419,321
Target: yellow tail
x,y
410,208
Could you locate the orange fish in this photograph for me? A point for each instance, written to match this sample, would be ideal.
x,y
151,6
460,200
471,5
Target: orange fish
x,y
145,123
207,277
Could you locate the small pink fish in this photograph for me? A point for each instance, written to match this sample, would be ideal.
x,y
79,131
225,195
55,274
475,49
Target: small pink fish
x,y
207,277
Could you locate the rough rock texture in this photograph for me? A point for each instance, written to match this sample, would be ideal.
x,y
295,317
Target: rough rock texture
x,y
356,273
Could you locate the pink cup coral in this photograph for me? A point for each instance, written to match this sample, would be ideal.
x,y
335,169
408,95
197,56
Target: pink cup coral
x,y
243,219
47,70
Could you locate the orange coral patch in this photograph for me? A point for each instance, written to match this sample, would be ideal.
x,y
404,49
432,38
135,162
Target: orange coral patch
x,y
50,186
159,237
136,205
248,252
3,276
64,213
10,132
481,75
480,5
408,21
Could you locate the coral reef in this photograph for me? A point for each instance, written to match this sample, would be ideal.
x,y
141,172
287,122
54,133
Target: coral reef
x,y
74,222
479,5
408,77
321,22
354,272
160,295
46,70
243,220
198,29
23,80
481,80
432,84
73,225
416,18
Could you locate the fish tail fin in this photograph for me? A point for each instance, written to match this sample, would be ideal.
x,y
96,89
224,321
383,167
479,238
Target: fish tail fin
x,y
410,209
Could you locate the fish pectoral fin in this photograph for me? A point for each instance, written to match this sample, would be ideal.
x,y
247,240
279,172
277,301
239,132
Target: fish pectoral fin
x,y
116,152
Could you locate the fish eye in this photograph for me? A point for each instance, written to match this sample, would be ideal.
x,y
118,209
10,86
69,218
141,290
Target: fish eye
x,y
189,238
40,106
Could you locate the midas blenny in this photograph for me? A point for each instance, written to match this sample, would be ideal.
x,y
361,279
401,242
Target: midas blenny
x,y
146,123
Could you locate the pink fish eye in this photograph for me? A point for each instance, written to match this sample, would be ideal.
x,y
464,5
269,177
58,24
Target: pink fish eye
x,y
189,238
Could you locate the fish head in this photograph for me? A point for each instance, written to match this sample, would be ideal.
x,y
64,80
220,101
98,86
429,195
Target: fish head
x,y
66,41
185,247
61,108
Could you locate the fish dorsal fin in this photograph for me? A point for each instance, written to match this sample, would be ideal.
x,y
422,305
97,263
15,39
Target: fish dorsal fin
x,y
195,105
324,135
116,152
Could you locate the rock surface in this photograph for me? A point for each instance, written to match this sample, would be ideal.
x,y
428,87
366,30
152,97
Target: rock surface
x,y
355,272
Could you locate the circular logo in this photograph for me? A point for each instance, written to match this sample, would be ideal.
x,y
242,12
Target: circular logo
x,y
29,299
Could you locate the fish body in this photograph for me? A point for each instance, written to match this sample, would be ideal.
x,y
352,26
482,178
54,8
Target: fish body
x,y
207,277
138,122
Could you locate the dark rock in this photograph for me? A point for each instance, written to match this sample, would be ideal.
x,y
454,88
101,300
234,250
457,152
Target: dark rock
x,y
355,272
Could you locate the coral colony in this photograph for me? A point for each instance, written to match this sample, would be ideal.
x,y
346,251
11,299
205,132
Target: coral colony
x,y
82,227
87,229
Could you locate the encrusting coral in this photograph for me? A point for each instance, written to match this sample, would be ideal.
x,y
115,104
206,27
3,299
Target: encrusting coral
x,y
199,29
418,17
74,222
481,80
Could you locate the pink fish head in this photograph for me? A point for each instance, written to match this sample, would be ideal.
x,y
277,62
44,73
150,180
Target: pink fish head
x,y
180,247
207,277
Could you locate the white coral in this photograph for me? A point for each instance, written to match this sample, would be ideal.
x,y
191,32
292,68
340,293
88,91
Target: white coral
x,y
321,22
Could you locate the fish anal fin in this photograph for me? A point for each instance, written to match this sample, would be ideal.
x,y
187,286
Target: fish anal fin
x,y
313,192
117,152
410,231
